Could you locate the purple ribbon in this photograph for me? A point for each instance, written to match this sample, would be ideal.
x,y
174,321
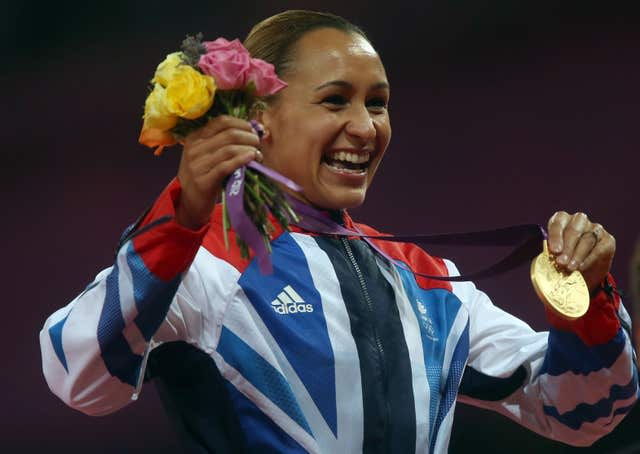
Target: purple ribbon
x,y
275,176
525,238
242,224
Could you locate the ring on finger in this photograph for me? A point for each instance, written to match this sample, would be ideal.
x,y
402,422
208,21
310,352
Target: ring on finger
x,y
596,234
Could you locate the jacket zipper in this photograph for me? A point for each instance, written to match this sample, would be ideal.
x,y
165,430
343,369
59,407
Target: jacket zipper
x,y
369,303
141,374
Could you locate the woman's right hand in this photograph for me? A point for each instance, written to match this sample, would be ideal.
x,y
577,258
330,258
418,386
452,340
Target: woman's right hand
x,y
209,155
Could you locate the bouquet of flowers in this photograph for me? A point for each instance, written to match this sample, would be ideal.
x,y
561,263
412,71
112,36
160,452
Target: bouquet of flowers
x,y
206,79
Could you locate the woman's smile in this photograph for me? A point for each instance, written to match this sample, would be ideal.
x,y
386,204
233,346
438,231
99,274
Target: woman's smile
x,y
348,167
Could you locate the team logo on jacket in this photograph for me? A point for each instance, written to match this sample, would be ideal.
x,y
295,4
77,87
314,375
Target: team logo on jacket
x,y
289,302
426,323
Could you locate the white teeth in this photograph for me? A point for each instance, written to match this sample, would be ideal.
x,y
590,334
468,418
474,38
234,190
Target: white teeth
x,y
356,158
342,169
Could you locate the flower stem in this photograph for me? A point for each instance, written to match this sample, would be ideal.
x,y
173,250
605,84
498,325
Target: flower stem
x,y
225,219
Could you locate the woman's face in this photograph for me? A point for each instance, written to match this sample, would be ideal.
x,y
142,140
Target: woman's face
x,y
329,129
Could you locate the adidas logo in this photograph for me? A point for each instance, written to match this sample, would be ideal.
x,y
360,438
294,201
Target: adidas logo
x,y
289,302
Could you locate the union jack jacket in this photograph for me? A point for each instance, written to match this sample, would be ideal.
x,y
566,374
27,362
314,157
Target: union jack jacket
x,y
337,351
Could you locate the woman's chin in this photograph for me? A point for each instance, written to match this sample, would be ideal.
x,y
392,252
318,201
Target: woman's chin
x,y
339,198
330,197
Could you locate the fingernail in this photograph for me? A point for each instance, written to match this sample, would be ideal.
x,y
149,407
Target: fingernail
x,y
563,259
573,265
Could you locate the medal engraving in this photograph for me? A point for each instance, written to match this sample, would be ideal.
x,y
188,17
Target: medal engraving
x,y
566,294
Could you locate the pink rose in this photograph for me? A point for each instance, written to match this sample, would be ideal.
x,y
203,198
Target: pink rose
x,y
263,75
228,62
223,44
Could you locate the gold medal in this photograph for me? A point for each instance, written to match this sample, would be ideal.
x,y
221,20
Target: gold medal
x,y
565,294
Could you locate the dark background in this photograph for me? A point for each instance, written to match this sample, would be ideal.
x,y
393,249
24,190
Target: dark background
x,y
503,112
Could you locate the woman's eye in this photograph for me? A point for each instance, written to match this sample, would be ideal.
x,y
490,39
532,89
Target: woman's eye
x,y
335,100
377,103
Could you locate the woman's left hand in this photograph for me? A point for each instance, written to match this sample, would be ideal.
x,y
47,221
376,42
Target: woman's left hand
x,y
579,244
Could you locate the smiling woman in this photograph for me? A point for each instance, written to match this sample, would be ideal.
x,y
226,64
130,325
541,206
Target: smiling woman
x,y
343,348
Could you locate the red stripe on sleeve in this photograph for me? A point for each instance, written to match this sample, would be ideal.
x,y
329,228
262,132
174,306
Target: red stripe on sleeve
x,y
214,242
168,248
599,325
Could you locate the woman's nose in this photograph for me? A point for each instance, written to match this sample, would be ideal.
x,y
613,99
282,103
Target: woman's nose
x,y
360,125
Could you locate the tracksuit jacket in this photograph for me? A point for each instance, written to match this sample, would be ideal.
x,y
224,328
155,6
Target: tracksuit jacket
x,y
337,351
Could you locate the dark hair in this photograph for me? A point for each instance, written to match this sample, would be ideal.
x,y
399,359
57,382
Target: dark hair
x,y
273,39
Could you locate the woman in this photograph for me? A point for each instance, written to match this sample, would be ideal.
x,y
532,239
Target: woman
x,y
338,350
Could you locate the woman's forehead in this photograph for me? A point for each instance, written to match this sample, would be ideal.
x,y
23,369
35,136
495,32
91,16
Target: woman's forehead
x,y
325,53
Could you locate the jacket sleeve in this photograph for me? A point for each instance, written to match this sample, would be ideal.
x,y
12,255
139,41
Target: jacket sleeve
x,y
93,348
573,384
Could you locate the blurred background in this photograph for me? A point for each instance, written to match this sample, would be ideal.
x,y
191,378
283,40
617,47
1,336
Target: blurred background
x,y
503,112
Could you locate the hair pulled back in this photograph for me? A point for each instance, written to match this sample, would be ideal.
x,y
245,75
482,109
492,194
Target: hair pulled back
x,y
273,40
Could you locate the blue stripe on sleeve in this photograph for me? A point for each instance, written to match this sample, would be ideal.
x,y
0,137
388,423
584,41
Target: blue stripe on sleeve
x,y
55,333
262,375
590,412
152,295
567,353
118,358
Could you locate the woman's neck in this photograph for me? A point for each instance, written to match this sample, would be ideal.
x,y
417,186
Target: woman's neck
x,y
337,215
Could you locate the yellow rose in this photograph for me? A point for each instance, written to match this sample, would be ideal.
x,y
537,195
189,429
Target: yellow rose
x,y
156,112
165,69
157,121
189,93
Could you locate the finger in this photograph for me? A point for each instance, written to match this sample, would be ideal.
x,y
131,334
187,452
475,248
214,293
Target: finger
x,y
555,229
217,125
203,179
225,168
578,224
221,122
209,162
586,243
232,136
604,249
227,137
598,263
